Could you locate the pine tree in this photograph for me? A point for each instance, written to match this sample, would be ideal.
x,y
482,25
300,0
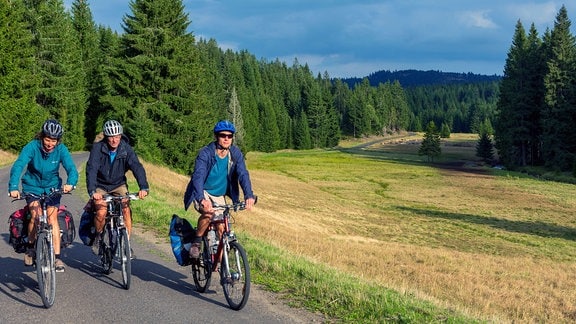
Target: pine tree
x,y
20,116
512,132
62,90
484,147
90,53
158,84
431,144
559,116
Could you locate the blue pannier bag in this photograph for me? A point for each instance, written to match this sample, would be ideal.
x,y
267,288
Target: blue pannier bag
x,y
86,229
181,236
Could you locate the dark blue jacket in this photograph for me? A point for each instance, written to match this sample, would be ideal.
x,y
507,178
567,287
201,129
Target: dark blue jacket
x,y
101,173
237,175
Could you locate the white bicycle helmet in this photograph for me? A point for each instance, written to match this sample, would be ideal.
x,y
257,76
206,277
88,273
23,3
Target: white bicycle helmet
x,y
112,128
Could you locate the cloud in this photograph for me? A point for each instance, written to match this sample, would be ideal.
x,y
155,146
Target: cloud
x,y
538,13
478,18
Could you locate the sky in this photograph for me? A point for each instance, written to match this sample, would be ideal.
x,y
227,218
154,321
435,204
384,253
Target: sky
x,y
354,38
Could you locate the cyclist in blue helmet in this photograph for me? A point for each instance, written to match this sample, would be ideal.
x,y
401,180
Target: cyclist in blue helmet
x,y
42,158
219,173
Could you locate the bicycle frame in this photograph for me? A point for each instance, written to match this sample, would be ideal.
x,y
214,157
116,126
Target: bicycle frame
x,y
117,244
229,259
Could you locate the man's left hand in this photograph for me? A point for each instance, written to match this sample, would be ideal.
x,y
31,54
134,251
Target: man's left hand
x,y
249,203
142,194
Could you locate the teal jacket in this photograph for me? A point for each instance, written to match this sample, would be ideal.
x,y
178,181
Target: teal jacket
x,y
42,169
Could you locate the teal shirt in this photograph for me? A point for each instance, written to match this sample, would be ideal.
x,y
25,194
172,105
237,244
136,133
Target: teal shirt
x,y
217,180
42,169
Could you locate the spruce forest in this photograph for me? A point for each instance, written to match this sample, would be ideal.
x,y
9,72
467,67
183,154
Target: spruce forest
x,y
168,89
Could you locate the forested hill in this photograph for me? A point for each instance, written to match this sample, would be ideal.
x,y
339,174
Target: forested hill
x,y
414,78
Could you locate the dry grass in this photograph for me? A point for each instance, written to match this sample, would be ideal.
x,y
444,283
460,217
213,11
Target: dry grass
x,y
499,248
6,158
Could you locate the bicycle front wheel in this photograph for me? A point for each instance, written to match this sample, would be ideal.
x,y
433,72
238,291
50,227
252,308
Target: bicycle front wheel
x,y
202,268
125,258
45,270
235,276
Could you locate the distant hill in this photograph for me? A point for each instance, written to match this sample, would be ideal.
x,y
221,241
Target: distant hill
x,y
413,78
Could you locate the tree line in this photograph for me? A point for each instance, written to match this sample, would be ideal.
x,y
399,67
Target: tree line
x,y
168,89
536,109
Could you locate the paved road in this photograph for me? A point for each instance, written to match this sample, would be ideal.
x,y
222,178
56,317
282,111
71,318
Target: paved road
x,y
161,291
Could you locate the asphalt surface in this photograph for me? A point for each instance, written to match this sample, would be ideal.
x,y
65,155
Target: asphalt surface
x,y
161,291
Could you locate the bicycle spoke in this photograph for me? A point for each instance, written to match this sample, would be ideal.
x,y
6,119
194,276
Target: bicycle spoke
x,y
45,271
125,260
202,268
235,276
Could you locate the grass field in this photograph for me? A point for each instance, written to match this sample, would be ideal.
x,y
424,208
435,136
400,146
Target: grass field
x,y
385,237
369,232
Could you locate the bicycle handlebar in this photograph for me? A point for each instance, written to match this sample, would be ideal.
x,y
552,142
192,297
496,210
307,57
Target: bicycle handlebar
x,y
236,207
53,192
129,196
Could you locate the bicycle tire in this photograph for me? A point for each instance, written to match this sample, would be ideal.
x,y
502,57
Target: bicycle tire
x,y
202,268
125,258
106,256
235,276
45,270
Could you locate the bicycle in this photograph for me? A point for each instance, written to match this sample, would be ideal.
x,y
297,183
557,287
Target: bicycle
x,y
227,253
114,243
45,270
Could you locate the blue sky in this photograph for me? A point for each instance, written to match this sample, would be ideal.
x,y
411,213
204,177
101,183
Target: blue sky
x,y
353,38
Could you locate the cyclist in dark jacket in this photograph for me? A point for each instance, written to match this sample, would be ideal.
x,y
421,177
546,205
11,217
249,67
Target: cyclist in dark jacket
x,y
218,171
42,158
106,169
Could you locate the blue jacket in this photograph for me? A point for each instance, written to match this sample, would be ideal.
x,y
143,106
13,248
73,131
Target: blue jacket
x,y
237,175
101,173
42,169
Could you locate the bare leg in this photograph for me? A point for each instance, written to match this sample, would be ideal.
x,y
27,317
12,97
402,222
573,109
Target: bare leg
x,y
53,220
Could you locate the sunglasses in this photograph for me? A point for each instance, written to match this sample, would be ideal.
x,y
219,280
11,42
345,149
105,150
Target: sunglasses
x,y
226,135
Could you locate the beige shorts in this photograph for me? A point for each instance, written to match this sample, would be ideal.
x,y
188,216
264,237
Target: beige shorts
x,y
118,191
221,200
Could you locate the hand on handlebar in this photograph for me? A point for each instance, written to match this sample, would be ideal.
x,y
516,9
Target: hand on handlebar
x,y
14,194
250,203
67,188
142,194
206,206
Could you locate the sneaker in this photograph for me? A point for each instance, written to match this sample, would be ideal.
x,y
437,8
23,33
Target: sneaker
x,y
59,265
195,251
96,244
29,257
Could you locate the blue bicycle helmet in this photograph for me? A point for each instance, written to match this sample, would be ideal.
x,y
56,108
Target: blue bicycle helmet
x,y
223,126
52,129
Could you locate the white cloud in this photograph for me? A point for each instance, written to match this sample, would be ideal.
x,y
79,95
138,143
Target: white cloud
x,y
537,13
478,19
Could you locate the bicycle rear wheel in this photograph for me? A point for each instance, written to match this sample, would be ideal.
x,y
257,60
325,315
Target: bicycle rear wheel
x,y
125,258
106,256
202,268
45,270
235,276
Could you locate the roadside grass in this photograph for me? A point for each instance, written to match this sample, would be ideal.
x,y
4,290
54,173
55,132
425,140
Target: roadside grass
x,y
375,234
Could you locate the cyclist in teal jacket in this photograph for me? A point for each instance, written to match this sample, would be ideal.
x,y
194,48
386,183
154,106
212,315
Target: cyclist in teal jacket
x,y
42,158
